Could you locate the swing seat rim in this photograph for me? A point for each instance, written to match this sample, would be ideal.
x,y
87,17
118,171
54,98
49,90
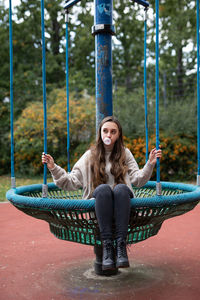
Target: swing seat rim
x,y
19,198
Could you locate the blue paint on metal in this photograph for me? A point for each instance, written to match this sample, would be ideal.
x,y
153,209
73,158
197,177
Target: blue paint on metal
x,y
44,87
67,94
11,91
142,2
104,8
157,87
198,90
70,3
19,197
103,12
103,52
145,87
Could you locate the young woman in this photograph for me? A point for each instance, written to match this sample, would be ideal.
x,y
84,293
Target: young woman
x,y
107,172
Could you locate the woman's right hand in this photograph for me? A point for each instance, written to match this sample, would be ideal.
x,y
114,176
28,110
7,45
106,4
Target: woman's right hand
x,y
48,159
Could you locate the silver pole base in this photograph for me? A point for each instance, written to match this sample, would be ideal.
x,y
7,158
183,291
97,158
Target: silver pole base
x,y
198,179
13,183
44,191
66,17
158,189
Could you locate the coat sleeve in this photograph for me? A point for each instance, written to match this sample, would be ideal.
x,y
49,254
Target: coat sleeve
x,y
73,180
138,177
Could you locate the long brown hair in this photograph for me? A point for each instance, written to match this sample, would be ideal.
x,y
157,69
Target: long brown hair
x,y
117,157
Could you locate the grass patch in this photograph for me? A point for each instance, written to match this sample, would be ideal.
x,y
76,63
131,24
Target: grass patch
x,y
5,184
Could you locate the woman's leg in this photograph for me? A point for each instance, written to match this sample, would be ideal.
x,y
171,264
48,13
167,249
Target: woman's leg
x,y
122,196
104,212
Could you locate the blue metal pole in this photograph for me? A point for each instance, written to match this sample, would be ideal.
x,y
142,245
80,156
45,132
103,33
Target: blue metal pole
x,y
44,190
198,95
142,2
158,185
67,92
70,3
145,86
103,30
13,185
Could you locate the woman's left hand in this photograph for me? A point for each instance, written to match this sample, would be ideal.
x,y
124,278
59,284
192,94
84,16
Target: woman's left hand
x,y
154,154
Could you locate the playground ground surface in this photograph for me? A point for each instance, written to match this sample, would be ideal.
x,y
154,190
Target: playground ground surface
x,y
34,265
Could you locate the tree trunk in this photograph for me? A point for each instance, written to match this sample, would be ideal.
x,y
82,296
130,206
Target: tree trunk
x,y
180,88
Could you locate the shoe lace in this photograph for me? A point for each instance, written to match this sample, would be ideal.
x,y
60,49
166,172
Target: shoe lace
x,y
108,247
122,249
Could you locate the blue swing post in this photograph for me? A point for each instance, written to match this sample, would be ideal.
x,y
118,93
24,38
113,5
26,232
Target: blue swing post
x,y
103,30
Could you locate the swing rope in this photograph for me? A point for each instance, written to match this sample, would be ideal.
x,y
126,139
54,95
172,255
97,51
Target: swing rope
x,y
145,83
158,184
198,95
13,184
44,187
67,89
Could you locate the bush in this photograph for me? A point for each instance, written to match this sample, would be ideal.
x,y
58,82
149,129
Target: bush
x,y
179,159
29,131
176,118
177,122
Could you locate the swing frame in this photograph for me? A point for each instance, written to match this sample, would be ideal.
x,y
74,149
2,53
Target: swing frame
x,y
72,218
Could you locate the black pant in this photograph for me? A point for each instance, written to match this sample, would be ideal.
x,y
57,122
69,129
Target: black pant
x,y
112,206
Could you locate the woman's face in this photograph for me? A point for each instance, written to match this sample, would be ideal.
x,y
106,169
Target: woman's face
x,y
110,131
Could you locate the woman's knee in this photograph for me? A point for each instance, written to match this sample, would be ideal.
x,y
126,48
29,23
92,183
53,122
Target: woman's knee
x,y
103,190
122,190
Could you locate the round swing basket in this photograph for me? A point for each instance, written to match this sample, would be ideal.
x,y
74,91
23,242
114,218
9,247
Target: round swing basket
x,y
73,218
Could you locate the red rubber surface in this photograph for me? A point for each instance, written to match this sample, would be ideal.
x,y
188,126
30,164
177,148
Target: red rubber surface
x,y
34,265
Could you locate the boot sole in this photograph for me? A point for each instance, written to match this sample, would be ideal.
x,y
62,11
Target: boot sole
x,y
109,267
122,265
98,270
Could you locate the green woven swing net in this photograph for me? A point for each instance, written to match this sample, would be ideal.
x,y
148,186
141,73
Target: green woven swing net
x,y
72,218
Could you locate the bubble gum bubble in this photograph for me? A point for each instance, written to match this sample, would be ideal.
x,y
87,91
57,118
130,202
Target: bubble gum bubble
x,y
107,141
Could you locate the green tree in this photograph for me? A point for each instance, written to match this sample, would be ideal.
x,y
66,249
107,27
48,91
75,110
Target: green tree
x,y
82,50
30,46
4,50
128,48
55,43
177,31
4,90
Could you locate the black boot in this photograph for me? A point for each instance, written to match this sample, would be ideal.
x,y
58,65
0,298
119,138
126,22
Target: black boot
x,y
108,261
98,250
121,254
